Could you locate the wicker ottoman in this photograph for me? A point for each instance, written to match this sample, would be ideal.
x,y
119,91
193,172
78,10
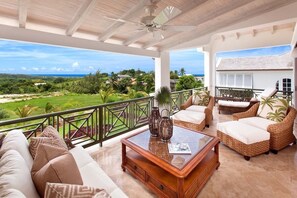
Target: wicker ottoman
x,y
243,138
192,120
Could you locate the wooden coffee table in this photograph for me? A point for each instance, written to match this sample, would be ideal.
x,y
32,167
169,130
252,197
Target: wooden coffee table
x,y
171,175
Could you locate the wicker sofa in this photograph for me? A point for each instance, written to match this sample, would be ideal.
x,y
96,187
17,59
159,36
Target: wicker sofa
x,y
204,109
281,133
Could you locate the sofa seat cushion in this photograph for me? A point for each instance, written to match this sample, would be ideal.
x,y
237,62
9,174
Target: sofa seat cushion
x,y
233,103
15,174
15,140
92,175
258,122
242,132
11,193
189,116
196,108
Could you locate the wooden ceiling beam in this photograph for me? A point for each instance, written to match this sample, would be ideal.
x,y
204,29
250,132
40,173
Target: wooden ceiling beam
x,y
134,38
23,12
135,11
80,16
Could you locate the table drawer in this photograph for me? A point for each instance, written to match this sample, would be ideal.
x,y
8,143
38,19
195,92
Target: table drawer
x,y
161,187
136,169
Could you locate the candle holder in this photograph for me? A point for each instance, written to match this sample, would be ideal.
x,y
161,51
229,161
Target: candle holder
x,y
165,127
154,122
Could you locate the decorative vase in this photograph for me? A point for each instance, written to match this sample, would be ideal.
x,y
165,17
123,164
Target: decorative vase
x,y
165,127
154,121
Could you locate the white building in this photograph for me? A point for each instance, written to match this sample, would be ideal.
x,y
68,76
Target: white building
x,y
255,72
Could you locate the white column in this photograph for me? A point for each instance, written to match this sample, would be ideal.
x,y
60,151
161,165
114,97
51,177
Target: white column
x,y
162,71
209,69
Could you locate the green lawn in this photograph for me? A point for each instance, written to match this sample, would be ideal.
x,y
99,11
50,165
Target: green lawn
x,y
64,102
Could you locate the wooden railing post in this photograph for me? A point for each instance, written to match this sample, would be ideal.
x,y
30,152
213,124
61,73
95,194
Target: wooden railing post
x,y
100,123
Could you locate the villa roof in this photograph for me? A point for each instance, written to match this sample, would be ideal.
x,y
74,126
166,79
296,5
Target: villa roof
x,y
120,25
273,62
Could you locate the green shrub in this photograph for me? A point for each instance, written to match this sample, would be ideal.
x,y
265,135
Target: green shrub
x,y
3,114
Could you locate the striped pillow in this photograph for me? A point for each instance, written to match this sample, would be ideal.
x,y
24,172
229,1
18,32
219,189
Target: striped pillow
x,y
36,141
60,190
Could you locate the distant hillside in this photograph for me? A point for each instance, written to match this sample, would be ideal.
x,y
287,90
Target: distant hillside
x,y
15,76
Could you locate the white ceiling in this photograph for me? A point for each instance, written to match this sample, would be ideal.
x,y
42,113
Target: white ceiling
x,y
88,24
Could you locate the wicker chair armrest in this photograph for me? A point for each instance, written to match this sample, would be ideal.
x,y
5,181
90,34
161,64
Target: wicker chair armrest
x,y
284,125
249,113
186,104
211,103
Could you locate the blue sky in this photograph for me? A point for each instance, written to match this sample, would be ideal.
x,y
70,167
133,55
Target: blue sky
x,y
27,58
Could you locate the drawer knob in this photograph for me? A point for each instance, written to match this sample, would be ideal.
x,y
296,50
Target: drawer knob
x,y
161,187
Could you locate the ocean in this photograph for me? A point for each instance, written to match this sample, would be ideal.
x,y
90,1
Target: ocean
x,y
61,75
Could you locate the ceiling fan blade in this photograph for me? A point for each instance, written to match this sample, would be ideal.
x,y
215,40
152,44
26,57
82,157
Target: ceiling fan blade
x,y
181,28
166,14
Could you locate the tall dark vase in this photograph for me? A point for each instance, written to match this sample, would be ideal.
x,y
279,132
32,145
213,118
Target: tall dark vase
x,y
154,121
165,127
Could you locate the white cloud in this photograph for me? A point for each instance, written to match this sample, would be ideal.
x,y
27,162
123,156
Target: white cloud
x,y
35,68
24,68
57,69
75,64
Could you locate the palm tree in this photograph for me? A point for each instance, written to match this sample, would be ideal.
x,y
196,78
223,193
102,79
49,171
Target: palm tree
x,y
105,94
25,111
182,71
49,108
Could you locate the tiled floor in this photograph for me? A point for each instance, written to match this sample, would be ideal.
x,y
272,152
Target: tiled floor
x,y
263,176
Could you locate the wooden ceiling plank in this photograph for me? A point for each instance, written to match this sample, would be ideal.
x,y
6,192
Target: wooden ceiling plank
x,y
80,16
23,12
199,32
135,11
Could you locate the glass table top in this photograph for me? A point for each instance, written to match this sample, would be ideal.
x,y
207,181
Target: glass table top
x,y
154,145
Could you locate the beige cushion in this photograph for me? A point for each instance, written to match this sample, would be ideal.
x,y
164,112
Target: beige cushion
x,y
268,92
233,103
189,116
196,108
51,132
16,140
11,193
93,175
261,123
15,174
35,141
54,165
242,132
200,98
273,108
73,191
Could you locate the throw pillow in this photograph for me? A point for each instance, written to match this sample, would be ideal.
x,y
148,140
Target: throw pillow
x,y
201,98
14,174
35,141
274,109
56,165
51,132
74,191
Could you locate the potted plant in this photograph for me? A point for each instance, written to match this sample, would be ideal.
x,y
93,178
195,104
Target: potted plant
x,y
163,97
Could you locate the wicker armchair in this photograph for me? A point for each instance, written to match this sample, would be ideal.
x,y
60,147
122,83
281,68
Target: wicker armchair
x,y
281,134
207,111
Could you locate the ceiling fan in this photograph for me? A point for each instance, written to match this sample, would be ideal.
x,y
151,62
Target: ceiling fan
x,y
156,23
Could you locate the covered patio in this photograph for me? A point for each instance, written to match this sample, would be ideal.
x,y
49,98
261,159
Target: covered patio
x,y
212,26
